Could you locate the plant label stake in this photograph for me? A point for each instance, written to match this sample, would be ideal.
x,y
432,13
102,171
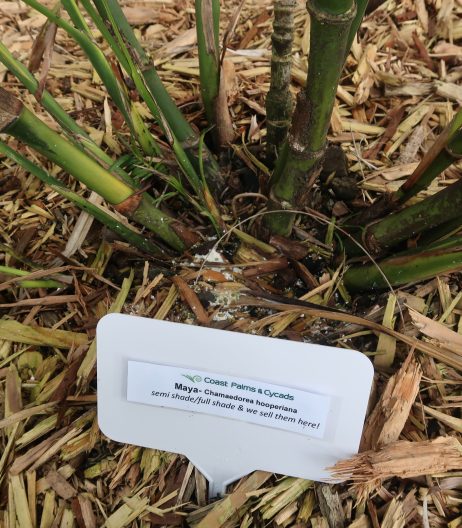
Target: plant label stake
x,y
232,403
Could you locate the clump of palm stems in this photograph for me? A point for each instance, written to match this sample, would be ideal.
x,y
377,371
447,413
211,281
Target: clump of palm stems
x,y
180,157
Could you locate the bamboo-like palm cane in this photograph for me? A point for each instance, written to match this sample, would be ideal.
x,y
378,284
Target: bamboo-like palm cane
x,y
138,127
18,121
300,159
445,151
180,148
125,232
441,232
121,40
47,100
75,133
93,52
279,99
76,16
434,211
207,29
409,266
437,216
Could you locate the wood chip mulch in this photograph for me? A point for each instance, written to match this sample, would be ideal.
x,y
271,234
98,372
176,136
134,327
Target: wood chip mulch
x,y
57,470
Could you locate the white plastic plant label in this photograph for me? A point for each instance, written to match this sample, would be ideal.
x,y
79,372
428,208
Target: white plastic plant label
x,y
238,398
232,403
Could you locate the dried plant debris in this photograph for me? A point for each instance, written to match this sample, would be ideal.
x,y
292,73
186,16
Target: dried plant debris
x,y
401,86
400,459
387,420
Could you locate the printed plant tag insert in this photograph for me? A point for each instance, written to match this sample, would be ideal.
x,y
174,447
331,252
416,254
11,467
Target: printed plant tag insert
x,y
238,398
232,403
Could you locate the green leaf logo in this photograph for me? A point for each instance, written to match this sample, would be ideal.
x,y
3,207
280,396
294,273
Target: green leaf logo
x,y
194,379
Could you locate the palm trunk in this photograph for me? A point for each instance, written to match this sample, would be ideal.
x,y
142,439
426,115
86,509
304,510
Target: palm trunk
x,y
300,159
279,100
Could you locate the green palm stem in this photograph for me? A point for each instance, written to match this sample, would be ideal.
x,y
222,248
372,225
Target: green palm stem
x,y
200,186
102,28
409,266
142,134
445,151
18,121
207,29
361,6
279,99
49,103
207,203
75,133
300,159
129,60
128,234
212,84
434,211
442,232
39,283
76,16
111,11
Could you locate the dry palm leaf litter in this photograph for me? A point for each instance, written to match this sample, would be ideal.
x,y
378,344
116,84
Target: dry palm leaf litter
x,y
400,86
